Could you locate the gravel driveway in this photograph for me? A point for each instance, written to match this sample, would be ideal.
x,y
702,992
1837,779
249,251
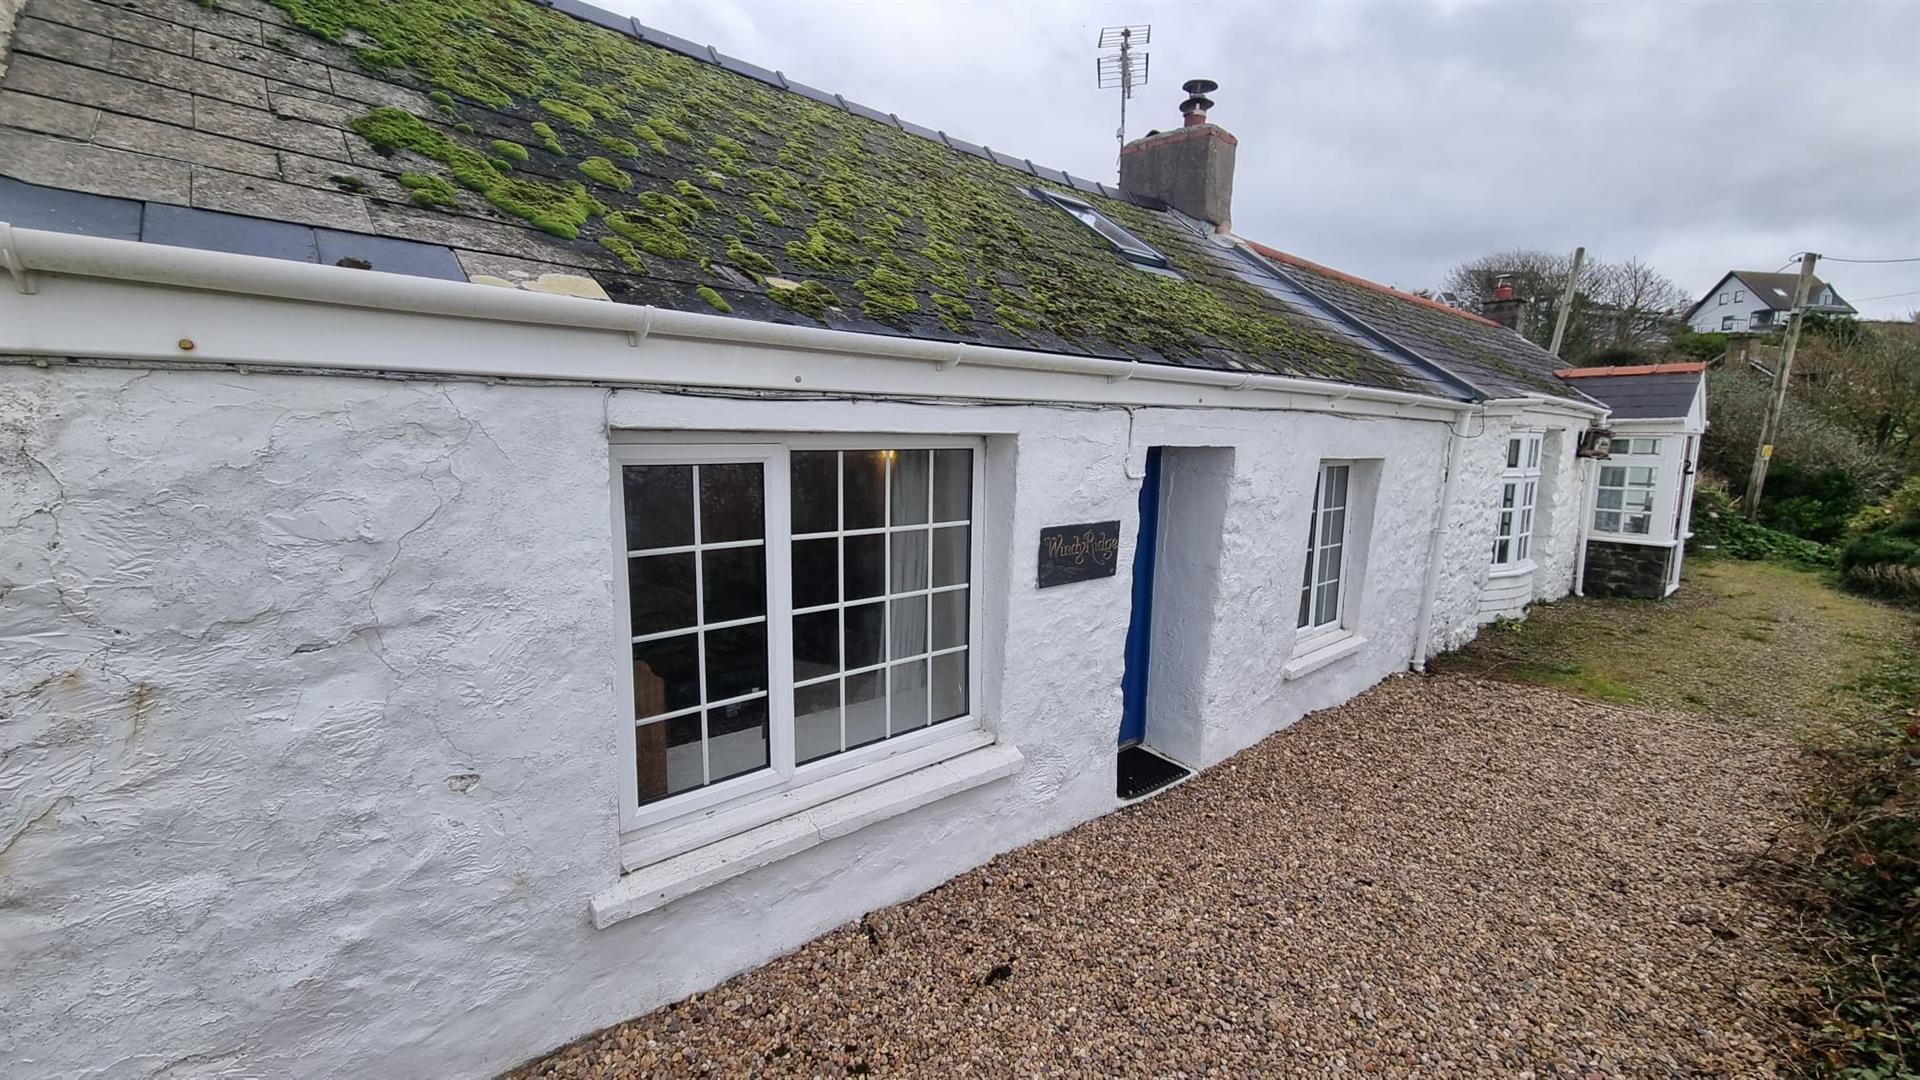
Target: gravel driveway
x,y
1443,876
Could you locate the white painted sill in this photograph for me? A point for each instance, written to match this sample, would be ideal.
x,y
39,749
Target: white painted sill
x,y
1511,571
1322,654
663,882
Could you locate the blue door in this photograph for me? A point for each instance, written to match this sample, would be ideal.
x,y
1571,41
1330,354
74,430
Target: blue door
x,y
1133,683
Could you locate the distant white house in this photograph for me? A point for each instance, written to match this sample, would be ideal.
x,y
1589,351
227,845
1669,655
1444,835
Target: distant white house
x,y
1750,300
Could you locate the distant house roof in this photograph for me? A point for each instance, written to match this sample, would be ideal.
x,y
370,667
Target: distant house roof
x,y
558,146
1642,391
1775,290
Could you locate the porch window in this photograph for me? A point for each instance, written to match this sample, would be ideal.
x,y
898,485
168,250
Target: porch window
x,y
787,606
1519,487
1322,596
1624,501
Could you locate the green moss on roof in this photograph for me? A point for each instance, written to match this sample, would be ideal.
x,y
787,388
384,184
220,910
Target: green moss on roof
x,y
599,168
430,190
509,151
849,207
714,299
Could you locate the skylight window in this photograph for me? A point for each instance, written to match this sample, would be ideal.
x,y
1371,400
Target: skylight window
x,y
1132,248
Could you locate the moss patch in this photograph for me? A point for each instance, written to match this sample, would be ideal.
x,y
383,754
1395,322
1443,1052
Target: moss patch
x,y
713,299
599,168
509,151
809,298
549,138
430,190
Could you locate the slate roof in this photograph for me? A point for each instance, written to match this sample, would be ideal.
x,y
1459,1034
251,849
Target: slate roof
x,y
509,141
1642,392
1496,361
1775,291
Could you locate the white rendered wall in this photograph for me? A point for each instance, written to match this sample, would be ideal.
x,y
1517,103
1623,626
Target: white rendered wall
x,y
307,764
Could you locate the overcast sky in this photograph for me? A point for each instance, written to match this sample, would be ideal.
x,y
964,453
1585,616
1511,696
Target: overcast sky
x,y
1393,140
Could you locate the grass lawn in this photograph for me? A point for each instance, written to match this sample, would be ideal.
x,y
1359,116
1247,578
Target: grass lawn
x,y
1779,646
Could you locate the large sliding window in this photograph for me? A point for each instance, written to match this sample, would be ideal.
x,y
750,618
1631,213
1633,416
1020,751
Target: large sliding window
x,y
793,609
1322,584
1519,490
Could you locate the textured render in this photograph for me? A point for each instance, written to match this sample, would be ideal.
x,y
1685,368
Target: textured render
x,y
308,765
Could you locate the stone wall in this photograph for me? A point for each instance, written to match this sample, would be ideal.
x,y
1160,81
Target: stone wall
x,y
1615,569
309,756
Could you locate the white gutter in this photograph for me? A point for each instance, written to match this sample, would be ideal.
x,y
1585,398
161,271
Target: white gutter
x,y
1423,636
1544,402
25,252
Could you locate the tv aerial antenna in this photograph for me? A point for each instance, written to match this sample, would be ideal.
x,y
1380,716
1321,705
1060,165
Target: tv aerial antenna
x,y
1124,68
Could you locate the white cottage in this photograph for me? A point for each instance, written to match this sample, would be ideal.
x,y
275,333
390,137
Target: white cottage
x,y
504,541
1642,492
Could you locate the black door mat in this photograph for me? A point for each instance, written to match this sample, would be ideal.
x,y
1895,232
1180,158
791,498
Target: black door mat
x,y
1142,771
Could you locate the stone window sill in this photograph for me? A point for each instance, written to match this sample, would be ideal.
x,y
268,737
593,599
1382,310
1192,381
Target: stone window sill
x,y
663,882
1511,571
1322,654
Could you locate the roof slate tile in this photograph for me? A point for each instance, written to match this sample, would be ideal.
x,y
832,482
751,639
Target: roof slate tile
x,y
85,86
185,144
216,189
268,129
47,115
182,226
260,60
204,79
43,159
57,42
117,22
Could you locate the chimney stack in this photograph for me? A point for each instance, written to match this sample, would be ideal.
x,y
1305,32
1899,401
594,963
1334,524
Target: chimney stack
x,y
1189,168
1506,308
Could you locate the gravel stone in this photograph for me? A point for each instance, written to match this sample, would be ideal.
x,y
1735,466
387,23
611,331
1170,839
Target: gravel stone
x,y
1444,876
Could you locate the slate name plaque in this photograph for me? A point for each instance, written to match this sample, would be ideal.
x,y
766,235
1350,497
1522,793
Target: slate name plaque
x,y
1070,553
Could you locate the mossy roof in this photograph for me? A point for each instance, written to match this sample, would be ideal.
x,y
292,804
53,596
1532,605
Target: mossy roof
x,y
701,188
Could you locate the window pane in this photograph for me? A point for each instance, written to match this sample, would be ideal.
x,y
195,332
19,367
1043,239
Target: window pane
x,y
1520,548
1500,551
949,686
1329,564
737,738
866,708
1306,604
816,572
666,757
1505,527
909,562
1326,608
1640,477
816,491
660,593
736,661
907,691
816,721
1607,520
1506,494
1639,524
1513,453
865,628
666,676
865,479
734,583
907,636
950,555
659,504
865,566
816,644
910,487
1333,526
1609,498
949,619
731,503
952,485
1612,476
1338,474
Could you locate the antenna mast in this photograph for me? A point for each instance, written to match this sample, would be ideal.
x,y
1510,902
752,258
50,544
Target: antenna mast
x,y
1125,69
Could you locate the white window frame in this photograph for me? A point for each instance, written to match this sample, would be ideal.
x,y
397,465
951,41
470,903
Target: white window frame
x,y
1513,522
1630,452
782,778
1314,635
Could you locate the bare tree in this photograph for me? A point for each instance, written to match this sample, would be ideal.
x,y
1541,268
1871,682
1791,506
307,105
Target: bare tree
x,y
1617,307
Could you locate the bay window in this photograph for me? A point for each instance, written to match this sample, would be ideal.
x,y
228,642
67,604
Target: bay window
x,y
794,610
1519,489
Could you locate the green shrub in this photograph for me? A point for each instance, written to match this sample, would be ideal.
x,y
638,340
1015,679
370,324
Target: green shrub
x,y
1687,345
1807,438
1718,527
1883,558
1815,505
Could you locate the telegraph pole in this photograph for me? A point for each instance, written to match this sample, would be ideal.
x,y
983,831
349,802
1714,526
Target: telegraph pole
x,y
1764,452
1566,301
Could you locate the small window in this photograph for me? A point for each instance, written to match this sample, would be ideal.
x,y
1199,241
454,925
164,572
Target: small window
x,y
1322,593
1723,298
1739,295
1726,323
1519,489
1624,502
1132,248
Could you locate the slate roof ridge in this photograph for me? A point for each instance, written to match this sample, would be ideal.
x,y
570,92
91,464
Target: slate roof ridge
x,y
777,79
1689,367
1355,279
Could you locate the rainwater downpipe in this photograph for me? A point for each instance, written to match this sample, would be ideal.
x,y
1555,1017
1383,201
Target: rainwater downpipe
x,y
1456,444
